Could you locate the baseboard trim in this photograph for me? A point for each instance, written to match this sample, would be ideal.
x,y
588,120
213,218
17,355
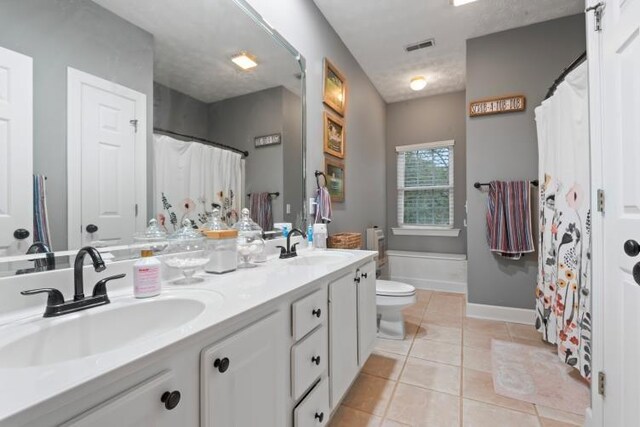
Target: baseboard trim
x,y
504,314
433,285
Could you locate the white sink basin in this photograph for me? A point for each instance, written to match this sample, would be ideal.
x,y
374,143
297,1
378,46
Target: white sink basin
x,y
99,330
320,258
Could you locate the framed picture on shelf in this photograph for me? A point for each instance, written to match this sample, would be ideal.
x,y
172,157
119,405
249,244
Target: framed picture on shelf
x,y
333,135
334,89
334,170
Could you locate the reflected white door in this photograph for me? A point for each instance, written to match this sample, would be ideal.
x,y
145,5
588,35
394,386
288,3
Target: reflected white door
x,y
620,44
108,121
16,150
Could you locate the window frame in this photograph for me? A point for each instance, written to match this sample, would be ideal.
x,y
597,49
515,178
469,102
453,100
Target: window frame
x,y
401,189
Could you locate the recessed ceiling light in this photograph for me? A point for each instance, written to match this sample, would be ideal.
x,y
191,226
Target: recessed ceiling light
x,y
461,2
418,83
244,61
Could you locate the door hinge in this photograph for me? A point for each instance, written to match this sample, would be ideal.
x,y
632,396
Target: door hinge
x,y
601,382
134,123
600,200
597,14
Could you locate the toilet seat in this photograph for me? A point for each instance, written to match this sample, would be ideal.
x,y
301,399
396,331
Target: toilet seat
x,y
389,288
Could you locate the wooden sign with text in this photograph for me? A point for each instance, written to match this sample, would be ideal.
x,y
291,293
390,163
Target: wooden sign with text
x,y
504,104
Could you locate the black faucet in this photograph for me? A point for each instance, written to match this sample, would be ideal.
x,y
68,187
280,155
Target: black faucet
x,y
57,306
290,251
48,263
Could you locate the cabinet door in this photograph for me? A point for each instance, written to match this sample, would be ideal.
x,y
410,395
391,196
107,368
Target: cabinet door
x,y
244,378
141,405
343,336
367,322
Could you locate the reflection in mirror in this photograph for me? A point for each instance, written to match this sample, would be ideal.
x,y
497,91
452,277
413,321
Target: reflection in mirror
x,y
123,111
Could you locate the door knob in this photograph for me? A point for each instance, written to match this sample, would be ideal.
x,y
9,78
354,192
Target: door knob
x,y
92,228
221,364
170,399
636,273
21,234
631,248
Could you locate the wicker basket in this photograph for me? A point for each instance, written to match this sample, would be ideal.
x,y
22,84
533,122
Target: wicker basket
x,y
345,241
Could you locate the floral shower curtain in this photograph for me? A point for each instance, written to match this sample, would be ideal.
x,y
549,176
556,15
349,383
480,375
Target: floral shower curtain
x,y
563,303
191,179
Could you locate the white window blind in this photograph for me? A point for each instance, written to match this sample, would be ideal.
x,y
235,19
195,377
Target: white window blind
x,y
425,184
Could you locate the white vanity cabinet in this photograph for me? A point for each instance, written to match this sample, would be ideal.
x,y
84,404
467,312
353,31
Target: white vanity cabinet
x,y
367,311
243,377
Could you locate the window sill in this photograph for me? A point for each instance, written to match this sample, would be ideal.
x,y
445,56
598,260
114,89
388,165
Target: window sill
x,y
426,231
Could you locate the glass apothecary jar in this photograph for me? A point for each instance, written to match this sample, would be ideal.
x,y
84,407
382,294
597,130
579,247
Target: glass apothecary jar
x,y
186,252
153,238
221,245
250,242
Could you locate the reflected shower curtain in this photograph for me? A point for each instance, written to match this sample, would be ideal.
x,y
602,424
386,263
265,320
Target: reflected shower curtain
x,y
191,179
562,295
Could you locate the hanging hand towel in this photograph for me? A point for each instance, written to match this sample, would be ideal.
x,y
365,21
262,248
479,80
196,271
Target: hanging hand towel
x,y
509,219
261,211
40,214
323,205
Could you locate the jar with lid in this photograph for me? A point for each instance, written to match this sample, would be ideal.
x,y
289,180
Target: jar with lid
x,y
250,242
186,252
221,245
153,238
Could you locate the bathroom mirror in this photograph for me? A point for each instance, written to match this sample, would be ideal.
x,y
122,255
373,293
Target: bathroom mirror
x,y
114,112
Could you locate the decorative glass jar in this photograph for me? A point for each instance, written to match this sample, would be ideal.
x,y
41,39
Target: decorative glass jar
x,y
250,242
186,252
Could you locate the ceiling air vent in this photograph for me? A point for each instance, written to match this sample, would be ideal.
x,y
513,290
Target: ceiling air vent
x,y
420,45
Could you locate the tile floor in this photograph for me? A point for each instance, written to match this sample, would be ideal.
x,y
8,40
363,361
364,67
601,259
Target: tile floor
x,y
440,375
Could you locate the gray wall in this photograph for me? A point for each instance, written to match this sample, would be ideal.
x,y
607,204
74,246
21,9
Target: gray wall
x,y
178,112
302,24
525,60
80,34
429,119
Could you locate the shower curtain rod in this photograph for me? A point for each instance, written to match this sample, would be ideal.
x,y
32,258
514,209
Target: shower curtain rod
x,y
579,60
206,141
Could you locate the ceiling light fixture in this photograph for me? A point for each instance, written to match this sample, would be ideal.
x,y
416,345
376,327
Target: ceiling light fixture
x,y
244,61
461,2
418,83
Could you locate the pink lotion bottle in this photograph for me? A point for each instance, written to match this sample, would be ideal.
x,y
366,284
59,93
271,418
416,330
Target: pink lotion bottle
x,y
147,276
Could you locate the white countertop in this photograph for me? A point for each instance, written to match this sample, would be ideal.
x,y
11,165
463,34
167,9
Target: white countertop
x,y
242,291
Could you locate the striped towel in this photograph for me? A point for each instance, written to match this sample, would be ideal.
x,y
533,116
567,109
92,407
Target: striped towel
x,y
40,214
509,219
261,211
323,205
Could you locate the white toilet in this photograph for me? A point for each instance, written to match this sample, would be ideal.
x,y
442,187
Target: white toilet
x,y
391,298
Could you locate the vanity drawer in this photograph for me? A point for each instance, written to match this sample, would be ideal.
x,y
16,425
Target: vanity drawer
x,y
314,409
308,361
308,313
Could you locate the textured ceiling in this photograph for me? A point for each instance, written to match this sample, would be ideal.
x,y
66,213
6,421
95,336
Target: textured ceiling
x,y
377,31
194,41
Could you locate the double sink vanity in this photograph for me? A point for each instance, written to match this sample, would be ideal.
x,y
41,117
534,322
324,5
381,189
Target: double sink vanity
x,y
278,345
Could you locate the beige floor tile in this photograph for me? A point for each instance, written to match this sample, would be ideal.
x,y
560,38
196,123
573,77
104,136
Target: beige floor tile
x,y
401,347
476,358
443,319
419,407
423,295
432,375
429,331
487,327
369,394
477,414
478,385
437,352
416,310
474,339
390,423
348,417
537,343
561,416
547,422
527,332
441,303
384,365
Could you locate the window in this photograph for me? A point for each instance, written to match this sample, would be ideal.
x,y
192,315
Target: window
x,y
425,185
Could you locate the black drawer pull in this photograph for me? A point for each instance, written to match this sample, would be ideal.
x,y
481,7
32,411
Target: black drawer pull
x,y
170,399
316,360
317,312
365,275
221,364
319,416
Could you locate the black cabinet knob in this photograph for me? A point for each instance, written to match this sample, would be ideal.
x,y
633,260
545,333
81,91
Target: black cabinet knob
x,y
631,248
91,228
365,275
317,312
356,279
316,360
21,234
319,416
221,364
170,399
636,273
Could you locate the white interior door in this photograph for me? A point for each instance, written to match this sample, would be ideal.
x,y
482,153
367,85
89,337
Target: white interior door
x,y
620,53
16,150
108,133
